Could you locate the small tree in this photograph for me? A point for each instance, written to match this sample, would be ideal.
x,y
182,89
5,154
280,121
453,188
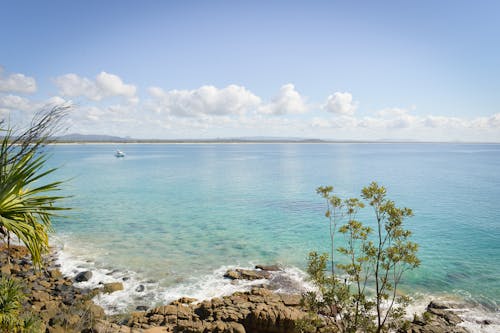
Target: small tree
x,y
361,295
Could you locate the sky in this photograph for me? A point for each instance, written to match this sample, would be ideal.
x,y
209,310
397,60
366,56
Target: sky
x,y
341,70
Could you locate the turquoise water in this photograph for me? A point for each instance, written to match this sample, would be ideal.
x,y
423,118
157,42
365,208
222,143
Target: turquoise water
x,y
176,212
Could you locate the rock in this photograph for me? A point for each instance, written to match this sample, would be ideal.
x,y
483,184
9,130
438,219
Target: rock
x,y
140,288
246,274
167,310
291,300
112,287
185,300
271,268
41,296
44,284
95,311
437,305
141,308
83,276
5,270
233,275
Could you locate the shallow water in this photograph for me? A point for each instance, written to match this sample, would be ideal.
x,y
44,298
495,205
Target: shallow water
x,y
177,213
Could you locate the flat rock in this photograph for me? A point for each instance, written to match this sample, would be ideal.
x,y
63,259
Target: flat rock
x,y
112,287
246,274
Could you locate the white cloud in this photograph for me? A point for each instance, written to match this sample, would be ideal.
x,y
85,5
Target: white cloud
x,y
206,100
444,122
288,101
14,102
104,85
340,103
17,83
494,120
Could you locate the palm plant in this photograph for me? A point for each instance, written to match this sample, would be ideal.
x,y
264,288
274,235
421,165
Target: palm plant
x,y
26,206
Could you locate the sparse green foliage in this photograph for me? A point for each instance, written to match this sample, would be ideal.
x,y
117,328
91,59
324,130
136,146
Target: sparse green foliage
x,y
360,292
13,318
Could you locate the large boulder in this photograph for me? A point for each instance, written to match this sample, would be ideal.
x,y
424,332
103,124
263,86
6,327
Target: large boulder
x,y
83,276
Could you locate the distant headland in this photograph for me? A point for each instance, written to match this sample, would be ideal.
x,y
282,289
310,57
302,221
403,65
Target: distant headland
x,y
97,138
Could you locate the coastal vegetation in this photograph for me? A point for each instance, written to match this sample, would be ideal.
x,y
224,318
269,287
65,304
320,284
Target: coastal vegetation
x,y
13,317
359,292
26,204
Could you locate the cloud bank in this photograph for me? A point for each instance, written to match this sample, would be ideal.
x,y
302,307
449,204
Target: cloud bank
x,y
108,105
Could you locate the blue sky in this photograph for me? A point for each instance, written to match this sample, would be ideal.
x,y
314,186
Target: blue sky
x,y
419,70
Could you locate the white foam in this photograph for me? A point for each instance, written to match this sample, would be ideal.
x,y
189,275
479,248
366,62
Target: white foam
x,y
290,280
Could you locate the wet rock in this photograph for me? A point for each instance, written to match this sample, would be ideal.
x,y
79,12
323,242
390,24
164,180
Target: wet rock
x,y
141,308
271,268
437,305
140,288
112,287
83,276
246,274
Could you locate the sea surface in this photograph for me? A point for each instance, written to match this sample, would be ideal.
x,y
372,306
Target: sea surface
x,y
174,217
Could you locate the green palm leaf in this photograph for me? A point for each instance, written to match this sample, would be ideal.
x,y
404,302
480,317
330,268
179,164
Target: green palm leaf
x,y
27,206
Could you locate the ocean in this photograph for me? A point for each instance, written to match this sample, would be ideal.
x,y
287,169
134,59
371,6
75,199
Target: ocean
x,y
174,217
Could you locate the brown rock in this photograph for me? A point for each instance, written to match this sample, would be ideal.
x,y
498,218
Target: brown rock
x,y
291,300
95,311
5,270
184,300
184,312
50,309
230,274
112,287
246,274
41,296
55,274
168,310
45,284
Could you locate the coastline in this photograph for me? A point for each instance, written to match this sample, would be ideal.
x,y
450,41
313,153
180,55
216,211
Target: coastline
x,y
58,298
201,142
474,316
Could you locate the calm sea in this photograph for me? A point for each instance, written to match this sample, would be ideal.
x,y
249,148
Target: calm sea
x,y
173,217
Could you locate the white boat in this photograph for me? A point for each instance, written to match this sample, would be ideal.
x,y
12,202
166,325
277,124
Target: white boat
x,y
119,153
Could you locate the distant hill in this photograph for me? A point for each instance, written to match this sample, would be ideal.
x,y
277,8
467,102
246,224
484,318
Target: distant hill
x,y
97,138
75,137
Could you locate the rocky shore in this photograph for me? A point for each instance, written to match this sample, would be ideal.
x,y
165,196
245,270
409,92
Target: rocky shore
x,y
62,307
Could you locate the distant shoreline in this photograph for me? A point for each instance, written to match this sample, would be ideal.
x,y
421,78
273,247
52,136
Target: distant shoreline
x,y
262,142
